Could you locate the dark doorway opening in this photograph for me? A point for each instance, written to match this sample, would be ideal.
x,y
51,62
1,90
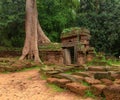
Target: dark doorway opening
x,y
69,55
72,56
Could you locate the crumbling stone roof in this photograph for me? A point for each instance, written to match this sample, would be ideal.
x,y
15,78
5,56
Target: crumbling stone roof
x,y
74,31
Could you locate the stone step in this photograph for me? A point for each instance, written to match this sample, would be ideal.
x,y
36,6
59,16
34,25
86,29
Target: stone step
x,y
50,73
59,82
107,82
117,81
96,68
77,88
97,89
103,75
83,74
92,81
73,78
112,92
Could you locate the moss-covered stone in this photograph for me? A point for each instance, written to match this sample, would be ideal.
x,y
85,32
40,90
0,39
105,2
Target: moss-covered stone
x,y
50,47
74,31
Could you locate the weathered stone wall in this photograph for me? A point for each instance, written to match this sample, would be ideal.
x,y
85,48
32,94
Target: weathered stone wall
x,y
52,57
69,39
10,53
81,59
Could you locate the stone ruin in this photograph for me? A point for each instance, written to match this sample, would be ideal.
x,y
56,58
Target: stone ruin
x,y
73,49
76,48
100,81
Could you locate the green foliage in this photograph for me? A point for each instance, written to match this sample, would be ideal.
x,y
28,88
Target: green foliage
x,y
85,83
43,77
101,17
12,23
89,94
54,16
31,68
51,46
103,60
73,71
74,31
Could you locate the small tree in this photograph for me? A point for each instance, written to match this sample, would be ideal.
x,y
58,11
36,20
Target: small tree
x,y
34,33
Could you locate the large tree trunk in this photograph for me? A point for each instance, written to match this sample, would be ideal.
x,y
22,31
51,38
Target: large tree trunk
x,y
34,33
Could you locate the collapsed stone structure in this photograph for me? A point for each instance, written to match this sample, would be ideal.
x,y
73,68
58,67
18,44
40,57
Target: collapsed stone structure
x,y
74,49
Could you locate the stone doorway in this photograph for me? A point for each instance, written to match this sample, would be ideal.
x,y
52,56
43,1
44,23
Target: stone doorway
x,y
69,55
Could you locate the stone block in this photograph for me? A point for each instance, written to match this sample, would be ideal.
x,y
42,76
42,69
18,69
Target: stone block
x,y
79,78
96,68
112,92
62,82
117,81
92,81
52,80
107,82
116,75
83,74
67,76
103,75
77,88
97,89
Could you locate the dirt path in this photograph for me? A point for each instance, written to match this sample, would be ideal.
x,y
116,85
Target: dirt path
x,y
29,86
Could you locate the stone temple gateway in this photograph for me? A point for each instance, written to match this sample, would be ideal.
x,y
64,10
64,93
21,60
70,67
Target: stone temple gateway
x,y
74,48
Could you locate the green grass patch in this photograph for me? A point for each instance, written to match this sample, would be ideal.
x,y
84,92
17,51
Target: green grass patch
x,y
73,71
43,77
74,31
55,87
88,93
31,68
22,70
51,47
84,83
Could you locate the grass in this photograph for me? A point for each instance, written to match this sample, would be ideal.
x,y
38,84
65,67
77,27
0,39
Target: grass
x,y
31,68
55,87
113,62
22,70
84,83
88,93
103,60
43,77
73,71
74,31
50,47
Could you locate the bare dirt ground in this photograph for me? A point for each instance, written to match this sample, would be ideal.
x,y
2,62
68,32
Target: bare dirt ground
x,y
28,85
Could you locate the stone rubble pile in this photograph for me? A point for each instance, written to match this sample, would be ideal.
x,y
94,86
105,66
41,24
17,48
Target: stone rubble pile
x,y
97,79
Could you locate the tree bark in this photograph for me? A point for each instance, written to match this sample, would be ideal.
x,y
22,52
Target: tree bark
x,y
34,33
42,38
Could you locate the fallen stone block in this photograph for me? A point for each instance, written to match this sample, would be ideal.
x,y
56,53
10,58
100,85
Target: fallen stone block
x,y
97,89
52,72
107,82
103,75
66,76
92,81
52,80
84,74
117,81
112,92
77,88
116,75
62,82
96,68
59,82
79,78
